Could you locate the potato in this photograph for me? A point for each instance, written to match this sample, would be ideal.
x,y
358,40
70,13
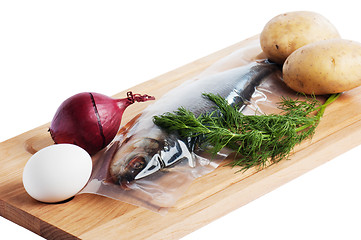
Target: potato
x,y
324,67
287,32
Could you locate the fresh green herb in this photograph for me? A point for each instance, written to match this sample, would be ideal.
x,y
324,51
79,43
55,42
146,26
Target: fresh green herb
x,y
258,140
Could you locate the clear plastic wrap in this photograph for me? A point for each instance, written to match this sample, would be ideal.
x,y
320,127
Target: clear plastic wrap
x,y
147,167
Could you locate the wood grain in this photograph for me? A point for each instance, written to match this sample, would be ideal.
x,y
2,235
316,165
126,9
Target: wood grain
x,y
90,216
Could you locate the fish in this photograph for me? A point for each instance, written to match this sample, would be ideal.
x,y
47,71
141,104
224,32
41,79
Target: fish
x,y
146,149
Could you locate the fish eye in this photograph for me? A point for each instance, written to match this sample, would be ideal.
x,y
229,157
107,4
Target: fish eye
x,y
138,162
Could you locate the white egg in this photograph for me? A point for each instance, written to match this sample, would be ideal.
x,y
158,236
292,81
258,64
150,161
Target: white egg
x,y
57,172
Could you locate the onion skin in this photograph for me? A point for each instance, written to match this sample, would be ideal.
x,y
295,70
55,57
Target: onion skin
x,y
90,120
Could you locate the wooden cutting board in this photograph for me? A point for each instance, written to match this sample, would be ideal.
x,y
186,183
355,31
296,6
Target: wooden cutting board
x,y
89,216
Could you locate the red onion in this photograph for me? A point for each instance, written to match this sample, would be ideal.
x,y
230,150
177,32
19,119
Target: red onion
x,y
90,120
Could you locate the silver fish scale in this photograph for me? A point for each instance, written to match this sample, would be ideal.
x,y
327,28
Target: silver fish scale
x,y
236,85
189,94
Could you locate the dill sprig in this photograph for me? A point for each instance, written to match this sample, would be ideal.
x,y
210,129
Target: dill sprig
x,y
258,140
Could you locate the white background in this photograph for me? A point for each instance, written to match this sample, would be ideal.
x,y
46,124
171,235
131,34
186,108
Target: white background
x,y
50,50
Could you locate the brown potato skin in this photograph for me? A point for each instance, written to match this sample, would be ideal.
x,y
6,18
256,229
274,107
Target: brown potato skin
x,y
287,32
324,67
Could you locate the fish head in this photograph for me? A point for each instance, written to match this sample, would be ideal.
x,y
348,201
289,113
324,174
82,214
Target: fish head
x,y
147,156
132,157
174,150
